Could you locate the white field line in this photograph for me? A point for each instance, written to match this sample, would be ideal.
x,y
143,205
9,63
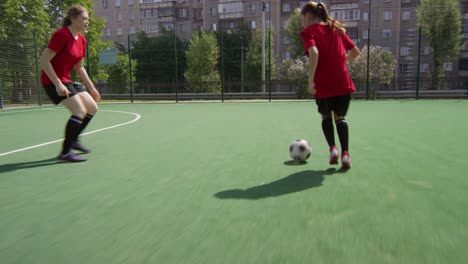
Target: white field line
x,y
137,117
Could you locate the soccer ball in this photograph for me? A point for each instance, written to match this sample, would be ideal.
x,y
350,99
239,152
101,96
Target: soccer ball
x,y
300,150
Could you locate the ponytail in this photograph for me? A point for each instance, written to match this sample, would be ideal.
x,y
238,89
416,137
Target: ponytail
x,y
320,11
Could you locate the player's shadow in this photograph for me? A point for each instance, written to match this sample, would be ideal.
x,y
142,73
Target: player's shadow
x,y
28,165
293,183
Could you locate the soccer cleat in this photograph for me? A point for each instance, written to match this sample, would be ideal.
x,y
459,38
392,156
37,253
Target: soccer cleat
x,y
333,155
77,146
345,160
70,157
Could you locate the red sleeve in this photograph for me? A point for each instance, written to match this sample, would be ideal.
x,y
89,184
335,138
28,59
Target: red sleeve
x,y
347,42
57,41
308,39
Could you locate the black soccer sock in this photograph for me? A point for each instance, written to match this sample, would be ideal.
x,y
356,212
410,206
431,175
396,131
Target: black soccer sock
x,y
86,121
72,130
327,127
343,133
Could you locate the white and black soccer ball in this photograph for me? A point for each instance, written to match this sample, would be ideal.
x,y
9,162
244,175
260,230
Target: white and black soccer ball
x,y
300,150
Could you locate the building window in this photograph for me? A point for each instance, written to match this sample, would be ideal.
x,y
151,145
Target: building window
x,y
105,4
182,28
404,68
119,16
423,67
365,1
130,2
252,8
404,51
212,11
345,15
365,16
108,32
387,33
168,25
285,23
200,14
213,27
285,40
286,7
406,15
447,66
286,55
182,12
267,7
131,30
253,25
119,32
106,18
388,15
365,34
117,3
200,2
267,22
131,14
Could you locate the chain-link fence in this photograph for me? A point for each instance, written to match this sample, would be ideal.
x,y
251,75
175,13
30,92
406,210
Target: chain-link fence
x,y
231,64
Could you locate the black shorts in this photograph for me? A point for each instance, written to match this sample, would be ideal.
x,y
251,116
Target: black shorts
x,y
338,104
56,98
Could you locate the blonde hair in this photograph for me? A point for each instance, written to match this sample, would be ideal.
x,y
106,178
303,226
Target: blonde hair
x,y
320,11
73,12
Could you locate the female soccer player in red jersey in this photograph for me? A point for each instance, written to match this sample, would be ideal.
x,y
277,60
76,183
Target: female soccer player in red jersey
x,y
65,51
325,42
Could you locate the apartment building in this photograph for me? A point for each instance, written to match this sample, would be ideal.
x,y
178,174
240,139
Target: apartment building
x,y
393,24
122,18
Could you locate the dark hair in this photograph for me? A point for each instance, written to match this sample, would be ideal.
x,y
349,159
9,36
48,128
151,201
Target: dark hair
x,y
320,11
74,11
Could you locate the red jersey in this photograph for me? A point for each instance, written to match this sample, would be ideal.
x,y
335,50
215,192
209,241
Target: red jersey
x,y
69,52
331,76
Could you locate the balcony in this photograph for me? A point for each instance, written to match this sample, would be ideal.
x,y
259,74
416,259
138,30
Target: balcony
x,y
230,15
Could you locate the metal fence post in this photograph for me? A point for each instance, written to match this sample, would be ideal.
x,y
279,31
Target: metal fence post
x,y
39,90
176,73
269,51
131,70
1,95
368,52
222,65
419,63
88,64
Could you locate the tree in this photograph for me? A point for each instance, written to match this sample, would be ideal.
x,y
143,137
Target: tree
x,y
254,56
440,22
18,21
156,58
382,66
119,73
293,31
296,72
202,59
234,43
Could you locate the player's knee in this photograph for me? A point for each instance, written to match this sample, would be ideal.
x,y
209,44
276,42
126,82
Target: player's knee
x,y
326,116
339,118
79,112
92,108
